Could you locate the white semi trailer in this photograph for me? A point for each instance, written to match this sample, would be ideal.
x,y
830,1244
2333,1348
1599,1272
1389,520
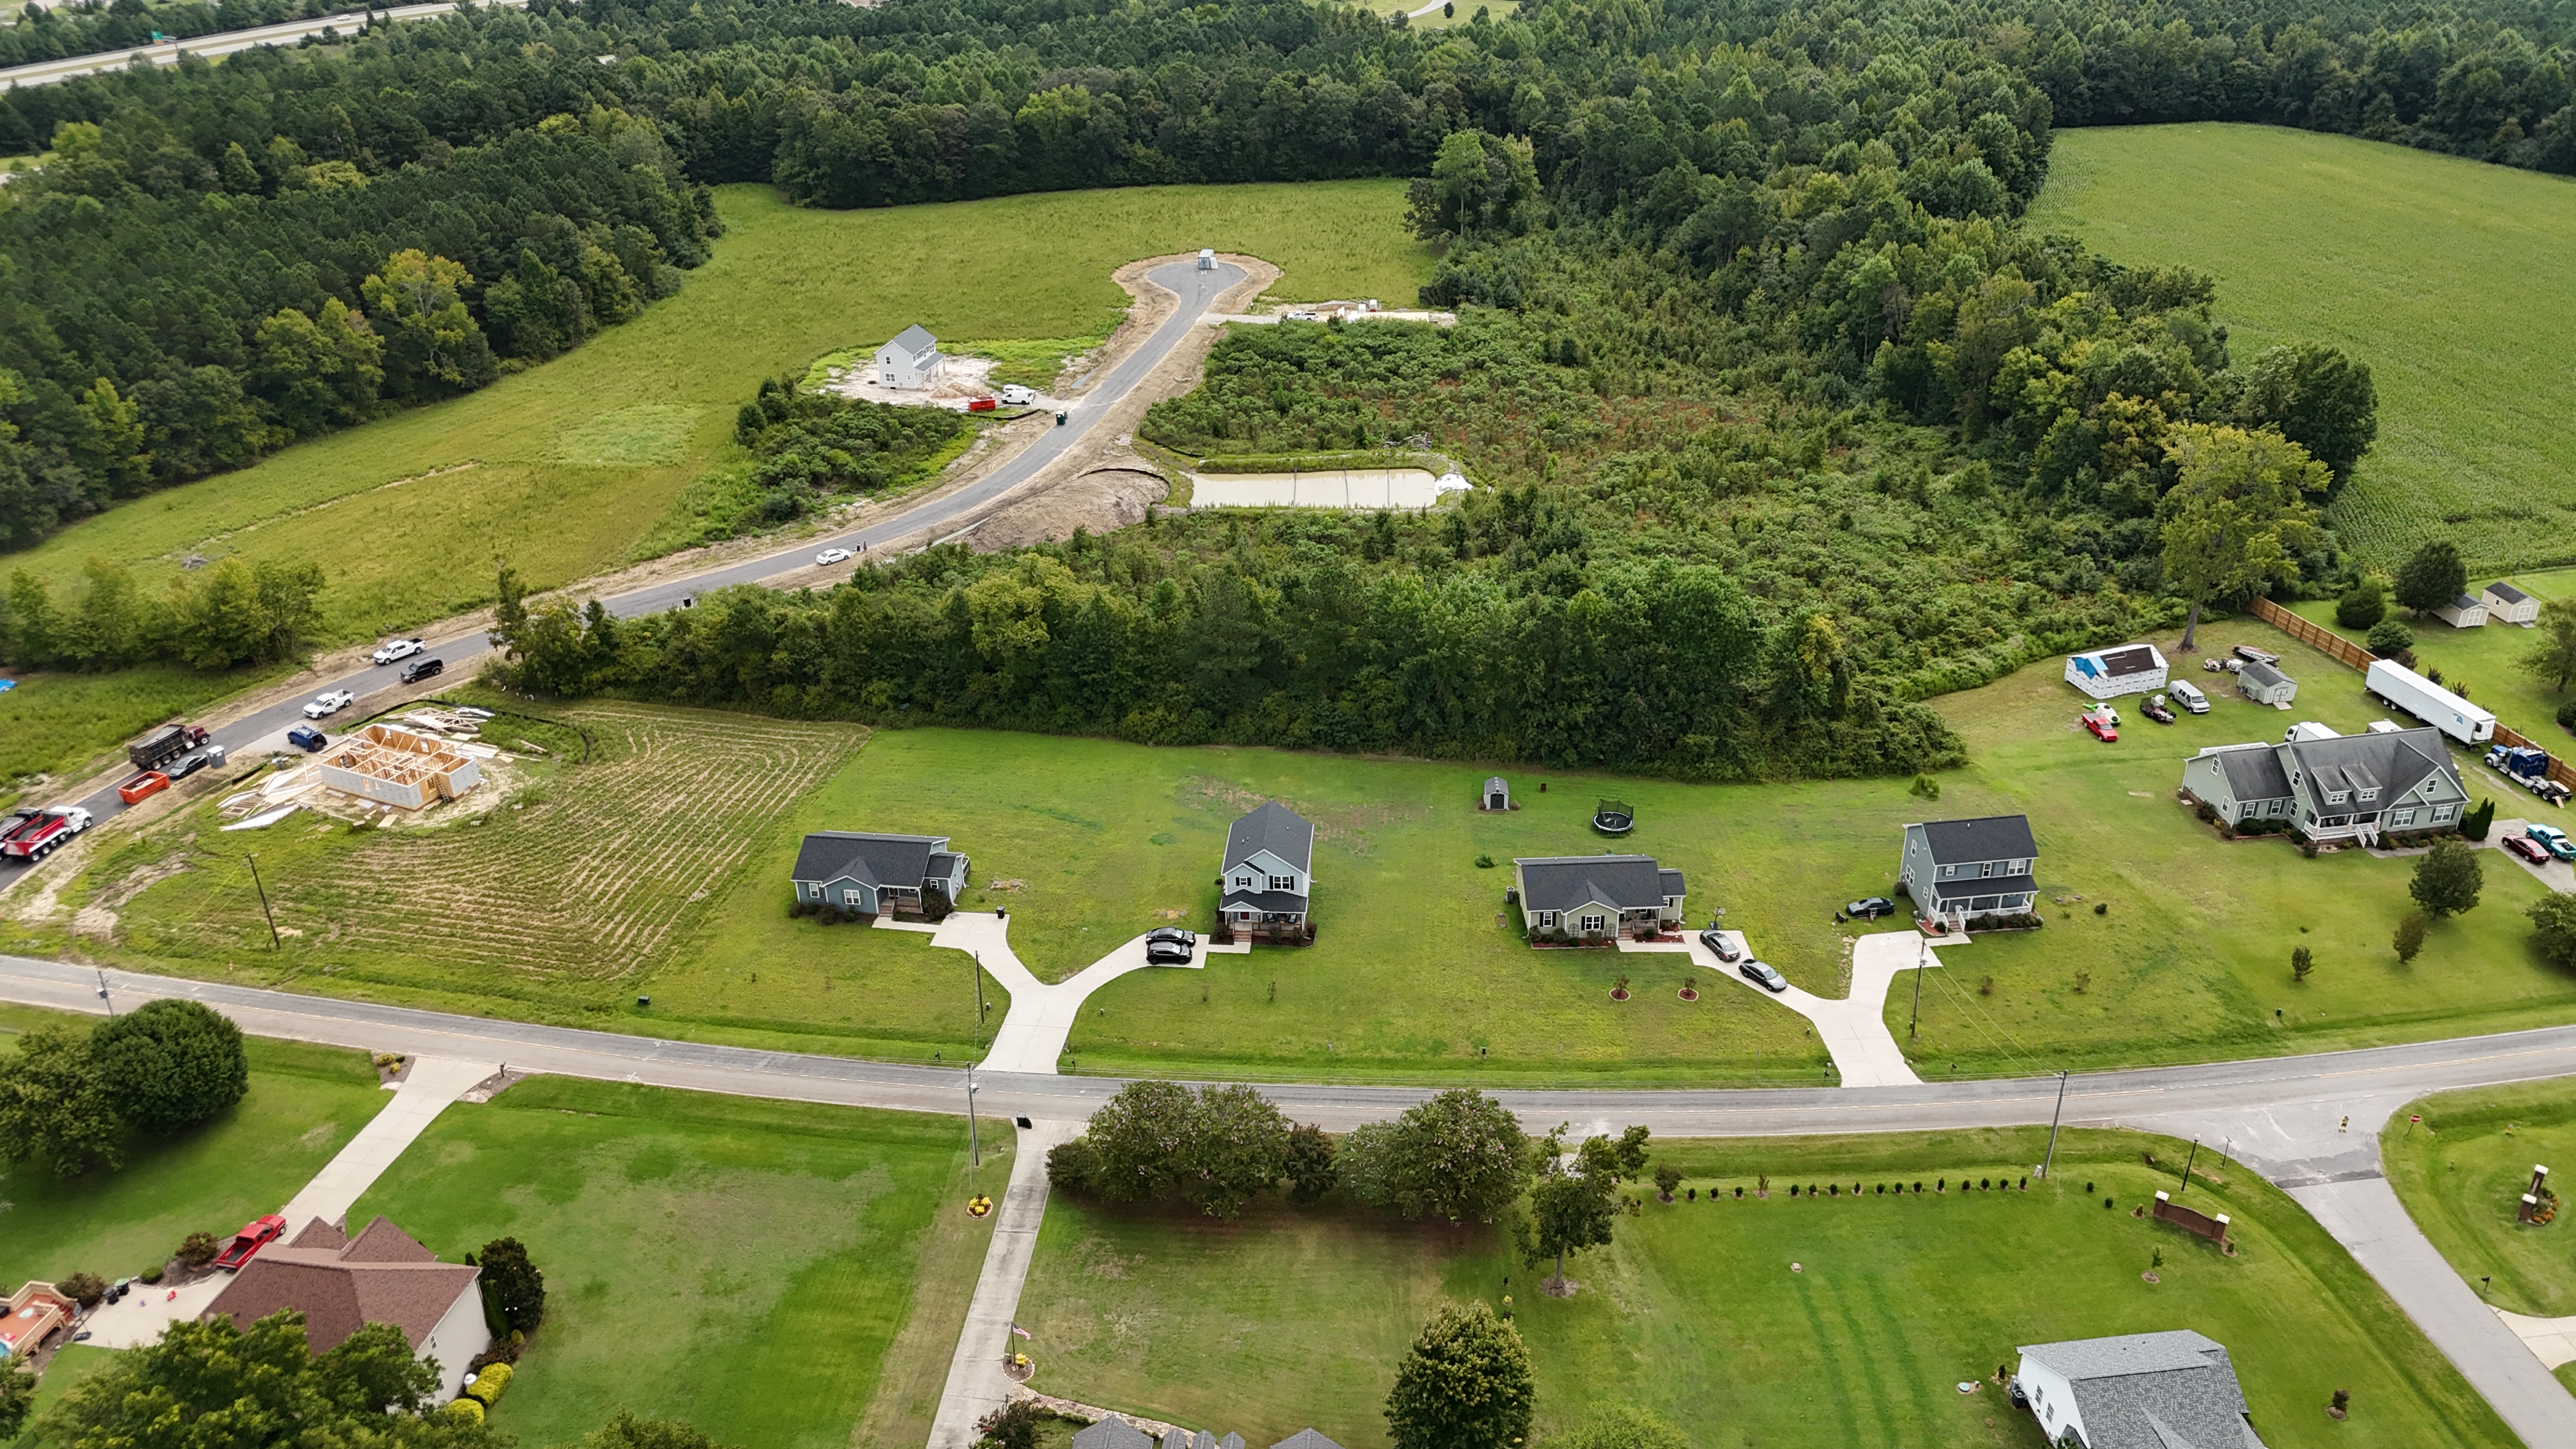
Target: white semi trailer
x,y
2405,689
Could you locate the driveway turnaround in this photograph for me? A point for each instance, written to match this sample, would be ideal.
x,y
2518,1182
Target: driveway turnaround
x,y
1853,1028
2283,1116
1031,1040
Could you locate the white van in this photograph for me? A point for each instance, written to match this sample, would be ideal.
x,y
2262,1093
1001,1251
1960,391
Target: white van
x,y
1018,396
2188,695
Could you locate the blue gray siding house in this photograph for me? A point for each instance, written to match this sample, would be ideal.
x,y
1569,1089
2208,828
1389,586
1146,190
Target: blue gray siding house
x,y
878,874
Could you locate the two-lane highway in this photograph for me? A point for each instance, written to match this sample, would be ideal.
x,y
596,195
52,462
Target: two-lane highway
x,y
462,653
222,42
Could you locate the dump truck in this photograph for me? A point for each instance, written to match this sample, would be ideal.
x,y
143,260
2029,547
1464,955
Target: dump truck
x,y
35,834
164,745
2396,685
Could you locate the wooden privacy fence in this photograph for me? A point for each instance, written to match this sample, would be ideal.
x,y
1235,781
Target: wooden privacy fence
x,y
2333,645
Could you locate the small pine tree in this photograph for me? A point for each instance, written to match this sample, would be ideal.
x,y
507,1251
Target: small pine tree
x,y
1465,1384
2302,961
2365,604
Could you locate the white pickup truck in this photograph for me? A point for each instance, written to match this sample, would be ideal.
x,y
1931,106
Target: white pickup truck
x,y
328,703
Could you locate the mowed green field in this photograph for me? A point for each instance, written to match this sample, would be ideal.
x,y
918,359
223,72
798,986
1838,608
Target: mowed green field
x,y
53,725
776,1273
1286,1317
2487,662
2462,1173
2192,959
566,469
2451,278
305,1103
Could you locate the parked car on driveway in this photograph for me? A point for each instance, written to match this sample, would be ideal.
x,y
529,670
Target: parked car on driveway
x,y
1172,933
1762,976
398,649
833,556
420,669
1167,953
307,738
329,702
2102,729
1715,940
2528,848
1871,909
2552,839
256,1234
142,787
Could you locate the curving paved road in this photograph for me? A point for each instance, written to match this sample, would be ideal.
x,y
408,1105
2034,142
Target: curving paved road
x,y
2309,1124
222,42
266,729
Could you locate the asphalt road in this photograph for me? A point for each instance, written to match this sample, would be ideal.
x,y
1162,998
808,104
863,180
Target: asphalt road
x,y
2309,1124
224,42
462,653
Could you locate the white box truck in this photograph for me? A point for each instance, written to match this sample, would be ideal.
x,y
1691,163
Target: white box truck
x,y
2403,688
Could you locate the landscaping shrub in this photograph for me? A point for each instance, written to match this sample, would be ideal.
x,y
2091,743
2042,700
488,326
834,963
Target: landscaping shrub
x,y
2409,941
1012,1426
1311,1171
1073,1166
84,1289
489,1384
170,1064
152,1274
2363,605
512,1286
2479,819
197,1250
2302,961
466,1408
2389,638
2567,716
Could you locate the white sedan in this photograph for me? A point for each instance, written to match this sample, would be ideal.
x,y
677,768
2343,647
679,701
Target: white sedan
x,y
833,556
328,703
399,649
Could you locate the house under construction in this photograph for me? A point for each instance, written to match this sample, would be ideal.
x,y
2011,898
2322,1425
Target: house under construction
x,y
399,767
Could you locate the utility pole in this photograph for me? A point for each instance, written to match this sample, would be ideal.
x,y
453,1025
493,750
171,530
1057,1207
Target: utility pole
x,y
2053,1118
1923,951
263,900
2186,1166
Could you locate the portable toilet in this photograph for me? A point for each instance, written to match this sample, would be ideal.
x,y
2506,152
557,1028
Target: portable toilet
x,y
1207,259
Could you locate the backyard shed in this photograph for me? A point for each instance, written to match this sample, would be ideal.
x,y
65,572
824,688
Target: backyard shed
x,y
2264,684
2465,612
911,360
2509,605
1497,796
2109,673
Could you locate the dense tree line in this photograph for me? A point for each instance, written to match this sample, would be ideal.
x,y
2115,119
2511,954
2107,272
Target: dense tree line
x,y
233,613
58,32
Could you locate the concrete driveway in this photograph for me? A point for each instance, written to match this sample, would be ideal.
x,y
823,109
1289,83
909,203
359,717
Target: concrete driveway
x,y
1853,1028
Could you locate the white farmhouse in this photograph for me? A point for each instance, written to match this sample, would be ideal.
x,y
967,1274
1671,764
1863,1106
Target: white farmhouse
x,y
2110,673
911,360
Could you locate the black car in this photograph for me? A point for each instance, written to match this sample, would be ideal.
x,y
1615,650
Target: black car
x,y
420,669
1172,933
1167,953
1871,909
1715,940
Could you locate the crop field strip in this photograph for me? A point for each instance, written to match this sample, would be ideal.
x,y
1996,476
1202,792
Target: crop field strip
x,y
597,880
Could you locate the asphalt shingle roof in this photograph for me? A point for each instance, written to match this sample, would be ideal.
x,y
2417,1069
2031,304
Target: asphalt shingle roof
x,y
1112,1433
2255,774
2172,1390
2396,762
1274,828
1563,882
2507,592
1306,1439
340,1285
2262,675
913,341
1262,901
876,860
1988,837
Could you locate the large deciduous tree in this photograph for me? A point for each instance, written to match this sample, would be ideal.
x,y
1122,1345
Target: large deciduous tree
x,y
2552,657
1479,188
2433,575
54,1107
2238,514
1465,1384
1214,1149
2317,398
170,1064
432,345
2448,879
1459,1156
1573,1205
2553,924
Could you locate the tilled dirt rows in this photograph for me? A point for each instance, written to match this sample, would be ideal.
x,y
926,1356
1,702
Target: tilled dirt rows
x,y
599,880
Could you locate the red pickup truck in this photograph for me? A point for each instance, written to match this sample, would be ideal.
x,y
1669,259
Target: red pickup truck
x,y
256,1234
34,834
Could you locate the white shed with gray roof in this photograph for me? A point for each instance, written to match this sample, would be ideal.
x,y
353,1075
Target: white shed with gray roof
x,y
2508,605
2263,684
2171,1390
2110,673
2468,611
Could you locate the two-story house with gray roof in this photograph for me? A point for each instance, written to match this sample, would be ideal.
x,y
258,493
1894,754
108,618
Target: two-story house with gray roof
x,y
1269,877
2171,1390
911,360
1960,871
872,875
2341,787
1596,897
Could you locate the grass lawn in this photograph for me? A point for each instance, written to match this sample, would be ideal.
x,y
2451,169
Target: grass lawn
x,y
2486,660
70,1364
305,1103
1284,1318
2192,959
2462,1179
570,468
779,1274
59,725
2382,251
